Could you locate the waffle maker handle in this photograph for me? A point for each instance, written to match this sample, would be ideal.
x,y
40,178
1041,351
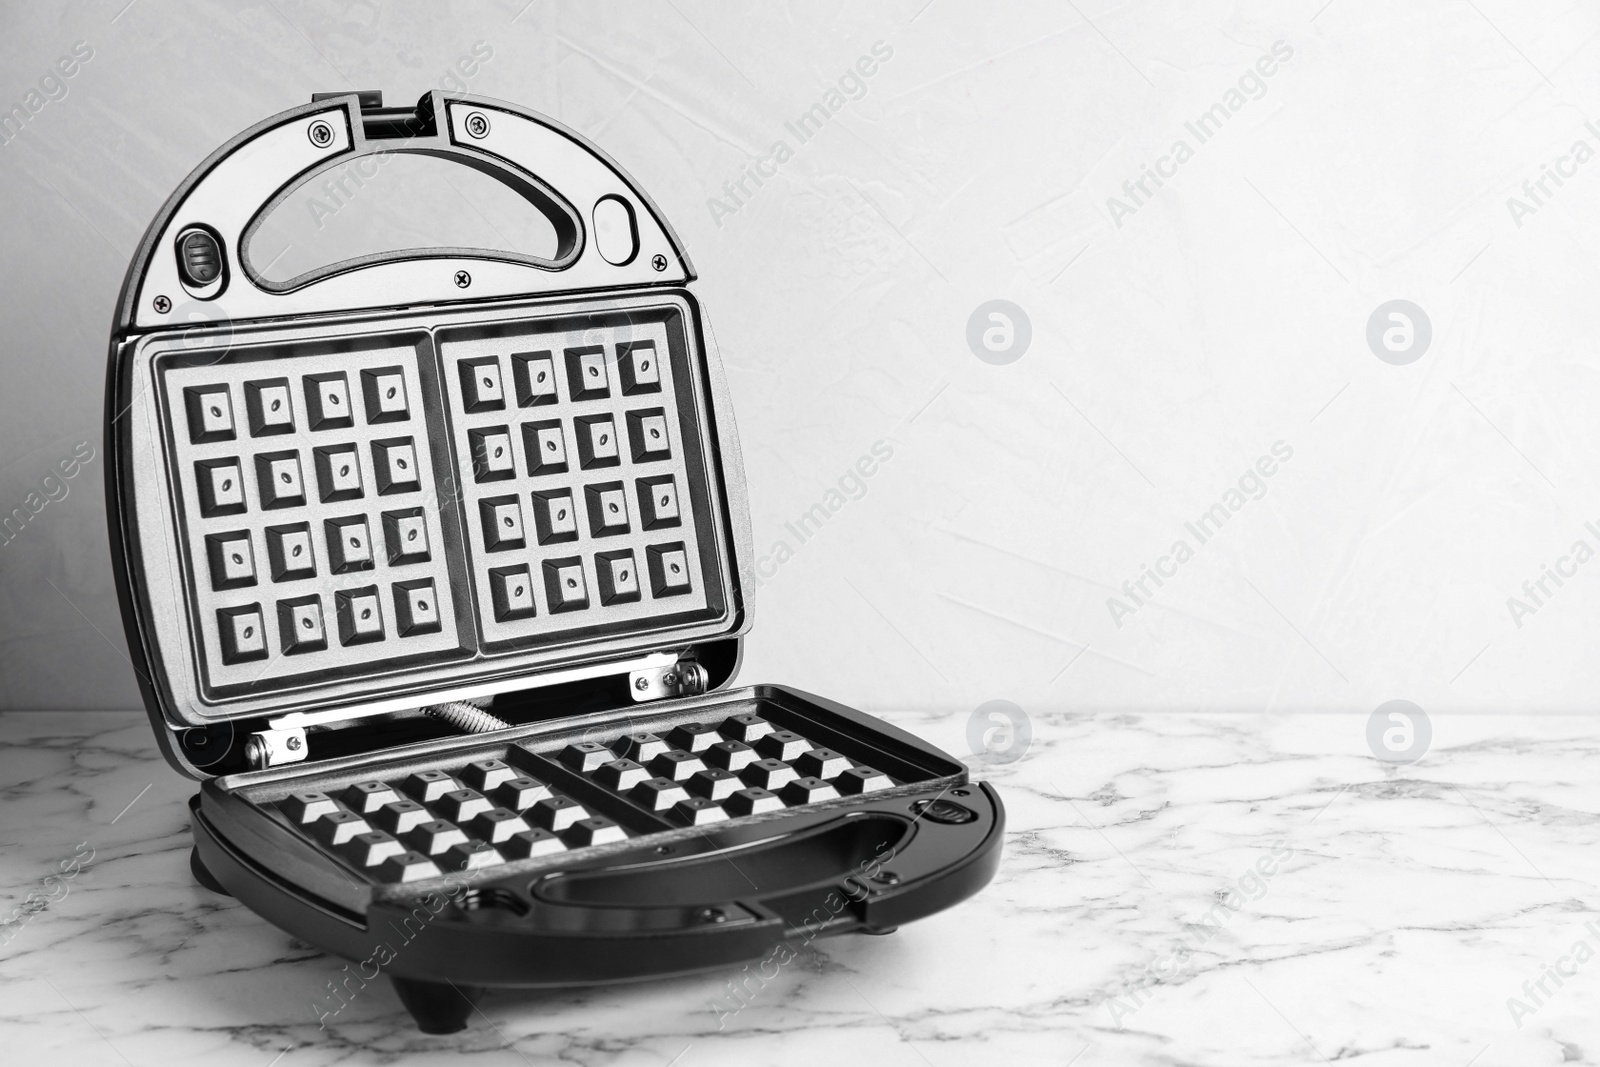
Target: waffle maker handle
x,y
191,266
745,894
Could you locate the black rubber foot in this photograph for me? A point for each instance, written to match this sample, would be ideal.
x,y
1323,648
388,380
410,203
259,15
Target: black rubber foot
x,y
437,1007
203,876
885,932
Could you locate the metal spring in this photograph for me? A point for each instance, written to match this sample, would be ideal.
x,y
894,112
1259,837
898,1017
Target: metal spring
x,y
466,717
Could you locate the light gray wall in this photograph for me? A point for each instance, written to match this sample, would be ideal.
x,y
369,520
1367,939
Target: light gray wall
x,y
1178,333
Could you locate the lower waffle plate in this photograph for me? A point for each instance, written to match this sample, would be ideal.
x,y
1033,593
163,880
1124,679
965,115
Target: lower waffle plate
x,y
535,795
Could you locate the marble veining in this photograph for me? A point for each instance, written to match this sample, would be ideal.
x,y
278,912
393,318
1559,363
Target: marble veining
x,y
1176,889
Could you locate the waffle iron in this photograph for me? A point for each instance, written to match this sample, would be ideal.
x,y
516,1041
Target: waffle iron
x,y
432,567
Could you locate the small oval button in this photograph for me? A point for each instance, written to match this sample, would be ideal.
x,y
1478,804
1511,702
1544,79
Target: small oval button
x,y
199,258
615,234
943,811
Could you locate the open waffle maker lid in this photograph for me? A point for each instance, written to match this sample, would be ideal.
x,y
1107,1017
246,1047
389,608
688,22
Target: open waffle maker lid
x,y
416,476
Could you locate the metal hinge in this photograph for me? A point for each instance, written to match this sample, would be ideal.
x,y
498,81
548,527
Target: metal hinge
x,y
655,676
685,678
272,748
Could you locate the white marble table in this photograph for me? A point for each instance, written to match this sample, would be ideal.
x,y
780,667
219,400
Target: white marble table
x,y
1403,907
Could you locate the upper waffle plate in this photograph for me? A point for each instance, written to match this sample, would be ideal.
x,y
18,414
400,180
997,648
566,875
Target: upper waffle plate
x,y
328,512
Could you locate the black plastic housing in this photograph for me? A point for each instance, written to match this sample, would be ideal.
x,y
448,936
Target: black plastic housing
x,y
669,900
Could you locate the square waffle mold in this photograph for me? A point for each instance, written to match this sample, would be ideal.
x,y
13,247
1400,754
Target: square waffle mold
x,y
571,474
311,531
